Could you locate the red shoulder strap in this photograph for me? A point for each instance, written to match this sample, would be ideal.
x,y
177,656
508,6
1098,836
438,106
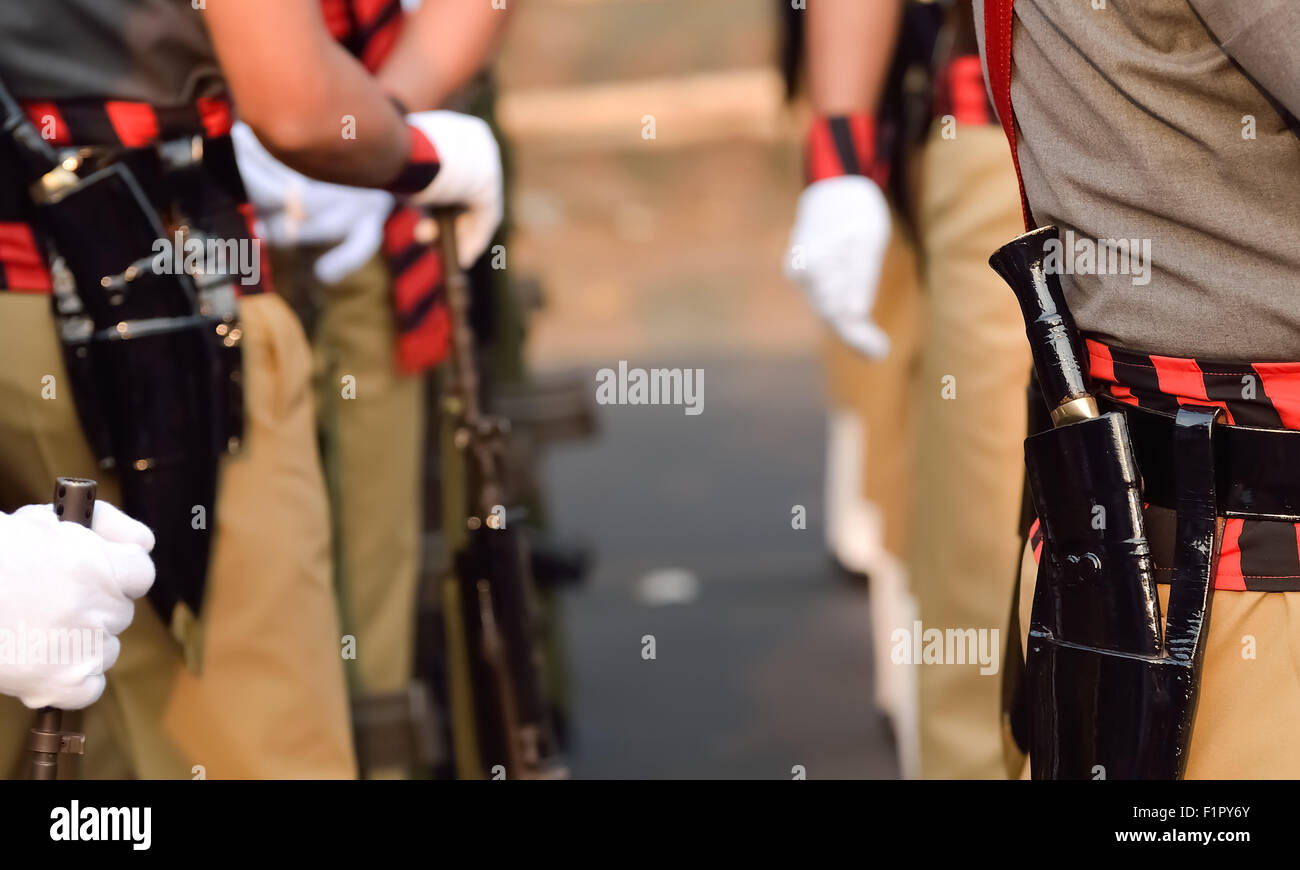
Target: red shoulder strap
x,y
997,53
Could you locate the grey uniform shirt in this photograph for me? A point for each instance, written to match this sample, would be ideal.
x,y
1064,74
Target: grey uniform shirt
x,y
150,51
1171,121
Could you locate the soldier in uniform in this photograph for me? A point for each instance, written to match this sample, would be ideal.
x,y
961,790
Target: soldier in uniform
x,y
908,190
261,692
1171,125
371,298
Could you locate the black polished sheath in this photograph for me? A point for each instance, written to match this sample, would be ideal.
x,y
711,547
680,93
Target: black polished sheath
x,y
1107,713
1097,580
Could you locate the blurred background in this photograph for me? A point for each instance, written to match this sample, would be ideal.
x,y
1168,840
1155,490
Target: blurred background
x,y
666,251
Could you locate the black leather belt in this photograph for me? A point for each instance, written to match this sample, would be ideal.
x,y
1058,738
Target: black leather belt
x,y
208,183
1257,471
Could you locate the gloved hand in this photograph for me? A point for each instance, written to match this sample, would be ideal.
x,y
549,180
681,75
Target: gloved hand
x,y
837,248
59,580
470,175
293,209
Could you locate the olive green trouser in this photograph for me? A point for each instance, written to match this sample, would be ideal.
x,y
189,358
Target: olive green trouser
x,y
944,419
270,699
371,426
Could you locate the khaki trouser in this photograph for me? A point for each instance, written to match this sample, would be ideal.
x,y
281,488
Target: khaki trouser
x,y
270,700
371,424
944,417
1250,683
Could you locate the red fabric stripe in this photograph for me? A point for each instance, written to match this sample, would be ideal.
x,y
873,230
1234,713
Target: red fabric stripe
x,y
863,130
421,166
997,47
336,17
136,124
1281,381
1121,393
1038,541
265,283
216,116
1101,366
399,230
380,45
966,90
422,149
368,10
28,279
414,283
822,160
25,269
48,119
1229,575
1179,377
1183,379
426,346
427,343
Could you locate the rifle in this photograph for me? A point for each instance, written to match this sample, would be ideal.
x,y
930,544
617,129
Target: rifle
x,y
487,597
74,502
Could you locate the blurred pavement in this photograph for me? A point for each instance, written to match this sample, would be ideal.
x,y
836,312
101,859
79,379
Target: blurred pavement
x,y
667,252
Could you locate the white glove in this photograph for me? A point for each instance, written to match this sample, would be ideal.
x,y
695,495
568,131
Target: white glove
x,y
293,209
837,248
59,582
470,175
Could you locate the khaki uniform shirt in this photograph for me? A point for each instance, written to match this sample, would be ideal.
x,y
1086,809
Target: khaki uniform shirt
x,y
1169,122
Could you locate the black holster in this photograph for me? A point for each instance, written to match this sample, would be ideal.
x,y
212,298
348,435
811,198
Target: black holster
x,y
1111,695
154,358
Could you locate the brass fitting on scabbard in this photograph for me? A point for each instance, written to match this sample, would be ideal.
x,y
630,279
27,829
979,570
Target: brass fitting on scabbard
x,y
1075,410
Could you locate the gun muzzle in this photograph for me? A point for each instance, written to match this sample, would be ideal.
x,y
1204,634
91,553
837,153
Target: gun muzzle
x,y
1053,338
74,502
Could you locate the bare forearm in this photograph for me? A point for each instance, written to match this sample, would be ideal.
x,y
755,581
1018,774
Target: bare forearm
x,y
442,46
310,103
849,46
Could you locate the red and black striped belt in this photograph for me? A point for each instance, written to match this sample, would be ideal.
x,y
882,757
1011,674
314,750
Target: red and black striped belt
x,y
1256,455
124,124
128,132
1257,460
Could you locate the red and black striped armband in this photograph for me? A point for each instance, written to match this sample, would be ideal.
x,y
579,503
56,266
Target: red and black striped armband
x,y
843,145
421,166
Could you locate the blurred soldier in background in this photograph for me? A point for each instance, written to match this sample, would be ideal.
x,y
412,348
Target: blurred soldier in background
x,y
368,285
908,191
119,81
